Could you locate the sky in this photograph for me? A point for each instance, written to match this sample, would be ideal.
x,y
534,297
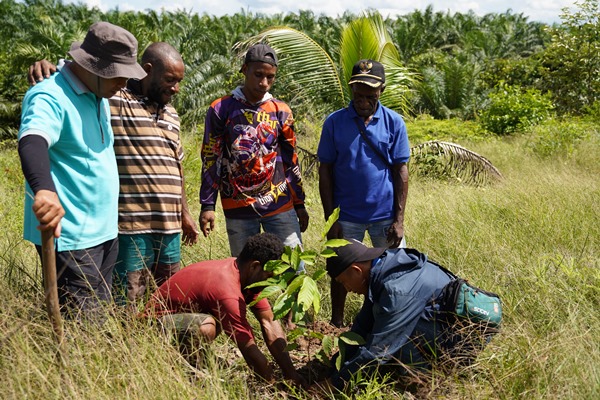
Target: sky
x,y
547,11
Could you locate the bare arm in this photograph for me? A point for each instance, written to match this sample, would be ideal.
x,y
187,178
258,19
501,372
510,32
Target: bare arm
x,y
256,360
326,192
188,225
277,343
400,183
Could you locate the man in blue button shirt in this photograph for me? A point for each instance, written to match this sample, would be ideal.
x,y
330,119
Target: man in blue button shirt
x,y
398,319
363,153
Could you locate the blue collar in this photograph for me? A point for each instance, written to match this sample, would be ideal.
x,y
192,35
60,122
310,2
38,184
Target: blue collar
x,y
78,87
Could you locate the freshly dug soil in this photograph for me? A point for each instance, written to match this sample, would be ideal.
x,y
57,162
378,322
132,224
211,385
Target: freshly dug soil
x,y
303,355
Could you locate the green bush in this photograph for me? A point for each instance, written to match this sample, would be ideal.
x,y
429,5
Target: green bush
x,y
592,112
561,137
424,128
511,109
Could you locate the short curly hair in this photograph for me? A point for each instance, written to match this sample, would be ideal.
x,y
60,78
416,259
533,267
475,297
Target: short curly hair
x,y
261,247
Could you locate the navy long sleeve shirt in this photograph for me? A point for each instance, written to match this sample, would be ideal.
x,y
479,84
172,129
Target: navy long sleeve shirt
x,y
402,286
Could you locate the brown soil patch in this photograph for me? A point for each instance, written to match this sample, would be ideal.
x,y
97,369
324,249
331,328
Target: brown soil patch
x,y
303,355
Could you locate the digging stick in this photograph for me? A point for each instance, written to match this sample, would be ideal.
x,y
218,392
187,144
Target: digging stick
x,y
50,285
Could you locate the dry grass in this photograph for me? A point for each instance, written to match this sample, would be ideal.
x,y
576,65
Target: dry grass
x,y
533,238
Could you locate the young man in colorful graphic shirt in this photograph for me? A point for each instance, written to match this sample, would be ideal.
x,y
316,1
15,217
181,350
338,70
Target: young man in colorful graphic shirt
x,y
249,157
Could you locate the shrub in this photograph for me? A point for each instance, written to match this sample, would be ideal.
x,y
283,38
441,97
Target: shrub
x,y
592,112
511,109
560,137
424,128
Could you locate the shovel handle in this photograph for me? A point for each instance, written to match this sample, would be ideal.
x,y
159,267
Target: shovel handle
x,y
50,284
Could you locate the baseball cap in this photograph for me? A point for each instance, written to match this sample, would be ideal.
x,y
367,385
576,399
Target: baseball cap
x,y
369,72
353,252
261,53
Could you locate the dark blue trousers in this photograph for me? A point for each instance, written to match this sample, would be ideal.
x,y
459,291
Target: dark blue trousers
x,y
84,279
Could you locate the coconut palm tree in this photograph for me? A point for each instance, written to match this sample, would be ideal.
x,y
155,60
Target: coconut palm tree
x,y
321,77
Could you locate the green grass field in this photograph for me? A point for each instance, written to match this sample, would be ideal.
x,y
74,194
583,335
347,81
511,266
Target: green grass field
x,y
533,237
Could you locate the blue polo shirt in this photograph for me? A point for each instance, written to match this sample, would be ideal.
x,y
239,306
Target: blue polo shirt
x,y
76,126
362,183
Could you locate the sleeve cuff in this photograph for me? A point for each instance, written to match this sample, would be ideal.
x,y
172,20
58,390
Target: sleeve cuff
x,y
207,207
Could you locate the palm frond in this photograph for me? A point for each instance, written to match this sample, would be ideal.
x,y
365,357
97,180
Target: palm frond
x,y
359,40
203,83
367,37
9,110
434,159
10,113
431,92
399,86
449,160
308,162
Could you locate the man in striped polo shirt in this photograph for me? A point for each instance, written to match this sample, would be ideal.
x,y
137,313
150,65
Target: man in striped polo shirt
x,y
153,211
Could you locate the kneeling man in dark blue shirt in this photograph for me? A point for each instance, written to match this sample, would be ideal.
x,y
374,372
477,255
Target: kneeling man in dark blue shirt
x,y
400,319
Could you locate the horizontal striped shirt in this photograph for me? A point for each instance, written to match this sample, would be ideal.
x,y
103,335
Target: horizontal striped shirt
x,y
149,154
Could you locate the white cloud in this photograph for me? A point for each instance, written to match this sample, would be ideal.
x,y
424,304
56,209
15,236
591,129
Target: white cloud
x,y
536,10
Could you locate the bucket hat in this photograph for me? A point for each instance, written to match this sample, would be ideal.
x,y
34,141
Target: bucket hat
x,y
108,51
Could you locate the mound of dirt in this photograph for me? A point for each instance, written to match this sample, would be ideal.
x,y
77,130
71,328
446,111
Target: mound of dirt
x,y
307,346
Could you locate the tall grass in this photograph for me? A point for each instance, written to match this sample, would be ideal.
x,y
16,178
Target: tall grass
x,y
533,238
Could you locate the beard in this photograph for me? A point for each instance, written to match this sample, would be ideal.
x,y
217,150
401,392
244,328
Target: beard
x,y
157,95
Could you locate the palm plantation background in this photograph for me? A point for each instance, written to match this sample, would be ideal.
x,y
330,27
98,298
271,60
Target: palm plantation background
x,y
493,96
440,64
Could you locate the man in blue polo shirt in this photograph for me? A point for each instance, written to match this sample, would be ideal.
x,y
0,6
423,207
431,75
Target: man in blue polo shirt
x,y
363,153
66,149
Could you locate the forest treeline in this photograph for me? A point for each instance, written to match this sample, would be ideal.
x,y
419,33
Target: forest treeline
x,y
500,68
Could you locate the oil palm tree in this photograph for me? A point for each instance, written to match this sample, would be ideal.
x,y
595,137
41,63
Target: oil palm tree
x,y
33,31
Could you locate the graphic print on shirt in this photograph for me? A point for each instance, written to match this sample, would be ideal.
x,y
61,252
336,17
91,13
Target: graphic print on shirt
x,y
249,158
251,164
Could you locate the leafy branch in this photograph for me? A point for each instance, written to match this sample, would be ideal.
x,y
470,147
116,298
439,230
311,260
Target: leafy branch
x,y
297,291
